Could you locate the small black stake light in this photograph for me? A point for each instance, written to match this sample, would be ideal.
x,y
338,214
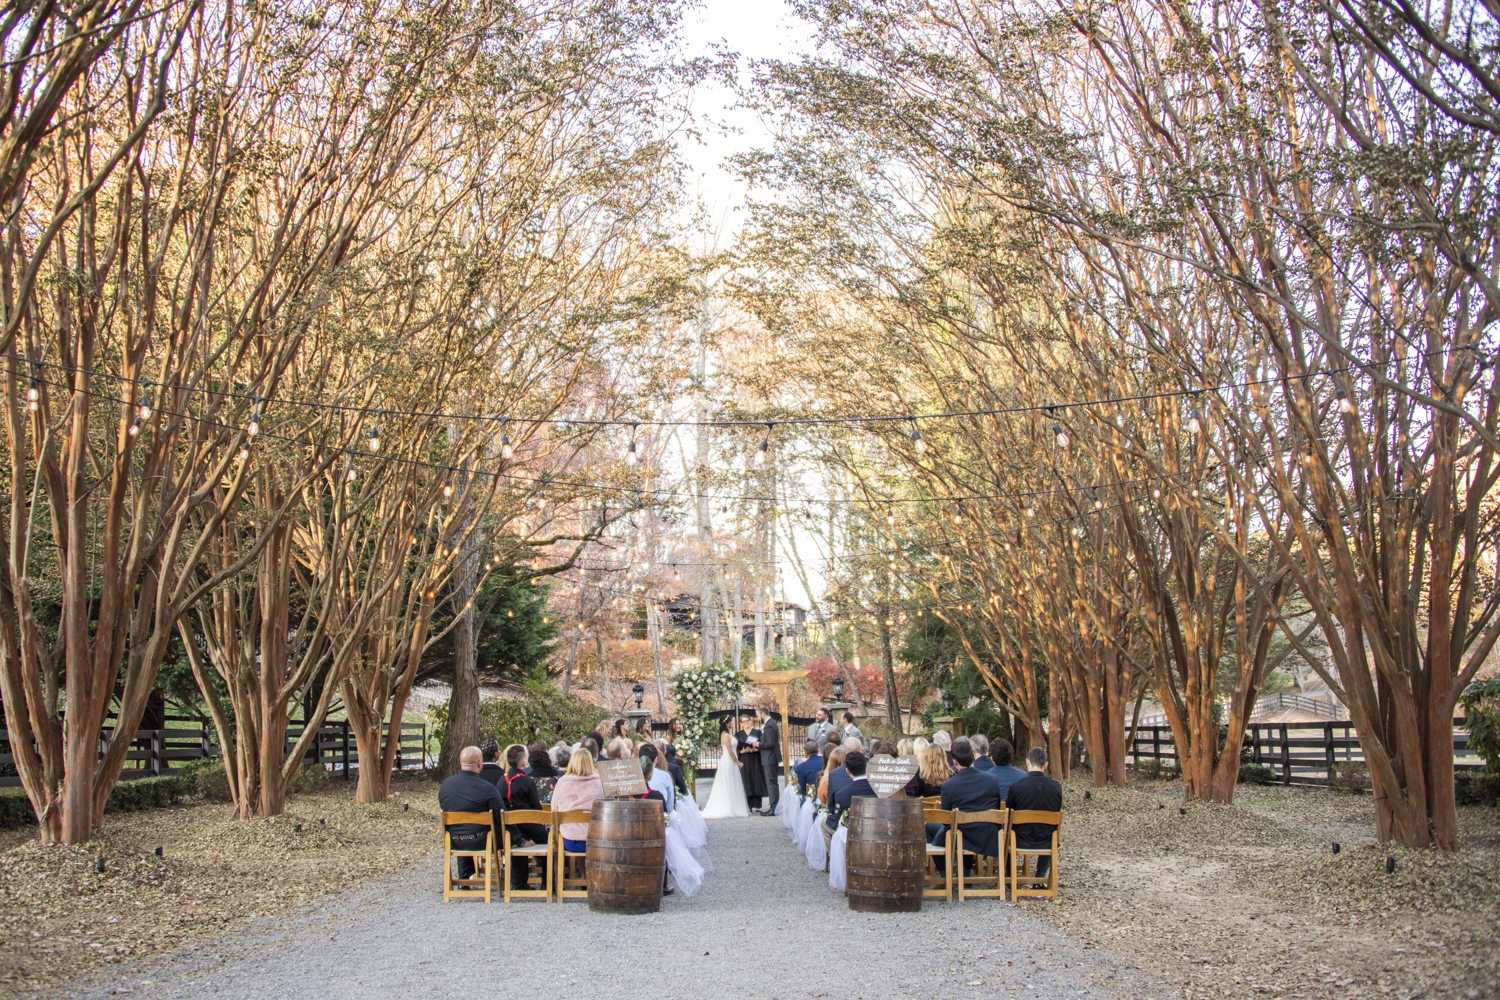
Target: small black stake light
x,y
1390,865
158,852
1336,847
405,806
1182,812
1088,795
99,864
297,828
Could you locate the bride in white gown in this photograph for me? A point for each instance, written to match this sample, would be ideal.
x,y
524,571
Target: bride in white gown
x,y
726,799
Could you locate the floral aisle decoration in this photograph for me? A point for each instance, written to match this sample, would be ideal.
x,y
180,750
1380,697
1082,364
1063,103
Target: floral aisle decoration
x,y
697,692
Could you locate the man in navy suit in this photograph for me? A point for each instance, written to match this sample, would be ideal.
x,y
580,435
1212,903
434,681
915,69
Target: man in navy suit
x,y
1005,773
972,791
809,769
838,804
981,745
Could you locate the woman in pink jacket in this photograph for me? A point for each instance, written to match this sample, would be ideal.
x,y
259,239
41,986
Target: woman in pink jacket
x,y
577,789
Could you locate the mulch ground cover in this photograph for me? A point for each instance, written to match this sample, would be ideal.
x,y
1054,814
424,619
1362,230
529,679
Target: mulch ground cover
x,y
1250,900
61,917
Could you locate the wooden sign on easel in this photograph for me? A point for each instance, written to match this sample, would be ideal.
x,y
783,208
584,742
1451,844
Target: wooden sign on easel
x,y
622,777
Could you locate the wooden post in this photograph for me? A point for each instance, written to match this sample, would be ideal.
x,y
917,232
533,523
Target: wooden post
x,y
1328,747
1286,758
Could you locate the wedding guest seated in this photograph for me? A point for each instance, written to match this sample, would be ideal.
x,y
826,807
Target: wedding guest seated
x,y
981,744
932,771
679,780
904,747
877,746
491,770
560,755
858,787
945,740
808,769
657,779
591,744
648,759
832,761
839,777
520,792
540,769
576,790
466,791
972,791
1005,773
619,749
1039,792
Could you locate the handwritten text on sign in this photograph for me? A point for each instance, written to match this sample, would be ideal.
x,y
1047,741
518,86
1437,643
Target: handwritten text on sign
x,y
622,777
889,775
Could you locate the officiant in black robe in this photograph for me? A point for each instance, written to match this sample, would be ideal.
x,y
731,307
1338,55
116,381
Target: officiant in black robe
x,y
751,772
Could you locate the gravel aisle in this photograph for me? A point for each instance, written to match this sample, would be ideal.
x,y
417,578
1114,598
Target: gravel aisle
x,y
764,926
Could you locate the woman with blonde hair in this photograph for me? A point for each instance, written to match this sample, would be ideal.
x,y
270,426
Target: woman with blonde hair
x,y
577,789
918,745
905,747
834,762
933,770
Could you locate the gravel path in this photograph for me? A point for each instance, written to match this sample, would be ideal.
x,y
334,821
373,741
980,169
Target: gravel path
x,y
763,926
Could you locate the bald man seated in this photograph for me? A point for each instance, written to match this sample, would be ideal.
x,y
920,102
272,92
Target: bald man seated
x,y
466,791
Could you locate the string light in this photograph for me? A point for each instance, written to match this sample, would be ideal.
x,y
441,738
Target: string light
x,y
765,446
1346,402
135,428
448,488
244,453
630,454
33,393
1194,425
916,438
145,409
350,473
1060,435
506,448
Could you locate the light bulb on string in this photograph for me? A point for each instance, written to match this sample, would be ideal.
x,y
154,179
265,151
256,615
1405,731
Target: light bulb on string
x,y
244,453
33,393
1060,435
1030,511
916,438
253,428
1346,402
145,408
374,438
765,447
448,488
350,474
1194,425
630,452
506,448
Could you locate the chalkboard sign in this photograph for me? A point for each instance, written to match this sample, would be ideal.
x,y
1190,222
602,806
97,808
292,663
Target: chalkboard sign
x,y
623,777
889,775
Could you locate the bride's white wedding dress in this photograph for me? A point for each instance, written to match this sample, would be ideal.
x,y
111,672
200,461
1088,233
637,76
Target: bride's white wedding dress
x,y
726,800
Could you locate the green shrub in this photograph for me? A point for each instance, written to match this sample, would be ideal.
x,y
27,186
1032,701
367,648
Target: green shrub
x,y
1256,774
126,796
1352,778
541,713
15,809
205,777
1481,702
1476,789
308,779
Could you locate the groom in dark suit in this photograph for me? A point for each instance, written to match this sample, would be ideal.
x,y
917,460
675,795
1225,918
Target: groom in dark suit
x,y
770,758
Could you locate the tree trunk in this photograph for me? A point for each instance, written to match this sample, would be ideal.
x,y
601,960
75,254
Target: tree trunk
x,y
463,704
607,694
888,669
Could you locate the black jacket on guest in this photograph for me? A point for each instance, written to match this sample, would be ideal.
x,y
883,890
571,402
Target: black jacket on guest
x,y
974,791
1039,792
468,792
983,763
857,788
492,772
520,793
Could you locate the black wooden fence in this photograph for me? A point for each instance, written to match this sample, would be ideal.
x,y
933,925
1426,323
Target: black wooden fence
x,y
1296,752
155,752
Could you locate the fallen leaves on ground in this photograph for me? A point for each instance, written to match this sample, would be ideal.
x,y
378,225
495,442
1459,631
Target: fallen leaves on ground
x,y
1249,900
62,918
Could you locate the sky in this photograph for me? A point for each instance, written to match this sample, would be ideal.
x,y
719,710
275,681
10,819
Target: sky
x,y
757,29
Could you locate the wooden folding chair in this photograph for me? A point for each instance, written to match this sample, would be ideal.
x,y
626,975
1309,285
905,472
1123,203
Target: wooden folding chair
x,y
989,873
932,802
463,888
565,886
1020,855
935,886
514,855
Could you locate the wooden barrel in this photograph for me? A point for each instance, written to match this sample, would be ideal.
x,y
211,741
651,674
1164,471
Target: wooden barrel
x,y
887,855
627,855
